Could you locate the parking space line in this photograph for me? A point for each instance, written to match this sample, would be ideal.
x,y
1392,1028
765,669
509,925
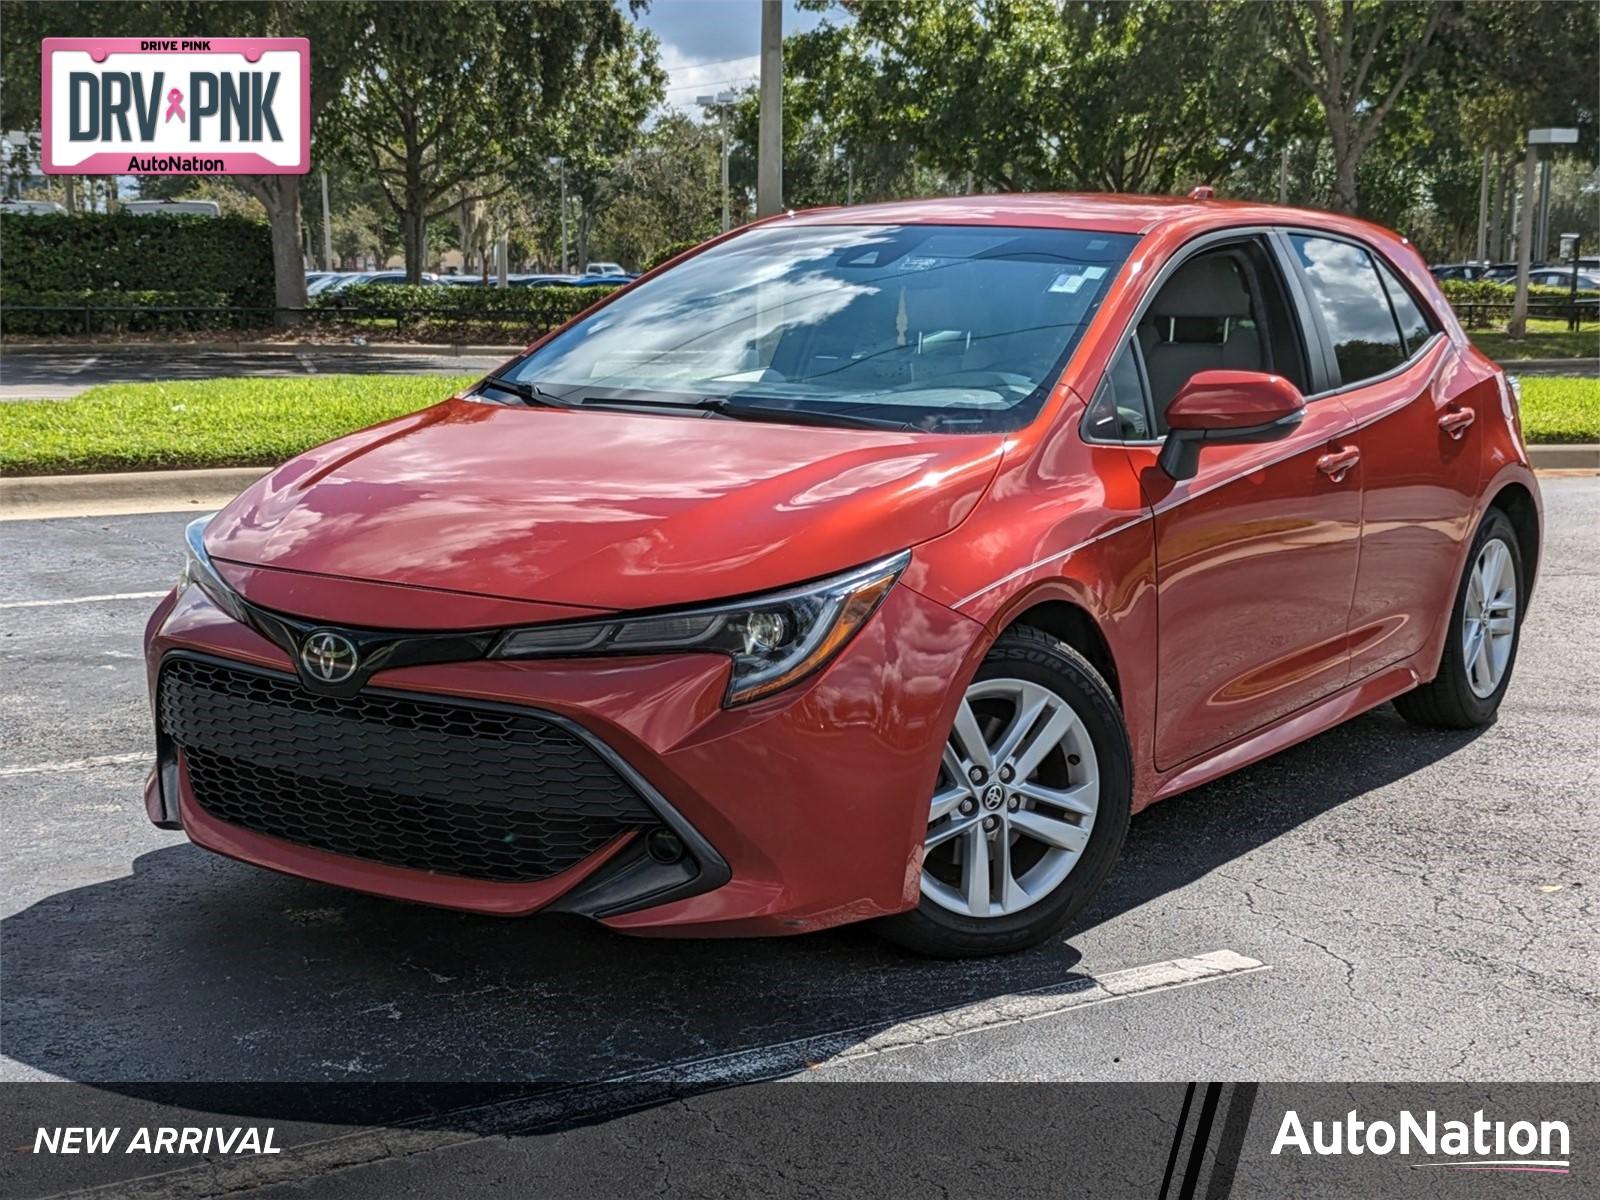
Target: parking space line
x,y
79,764
82,599
656,1085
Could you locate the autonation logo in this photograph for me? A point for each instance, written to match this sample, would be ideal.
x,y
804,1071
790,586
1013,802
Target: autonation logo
x,y
1476,1145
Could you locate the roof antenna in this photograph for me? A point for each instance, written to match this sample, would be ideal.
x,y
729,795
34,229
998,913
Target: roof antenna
x,y
1203,192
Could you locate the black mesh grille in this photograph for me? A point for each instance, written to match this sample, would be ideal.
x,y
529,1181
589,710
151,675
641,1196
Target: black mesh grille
x,y
438,786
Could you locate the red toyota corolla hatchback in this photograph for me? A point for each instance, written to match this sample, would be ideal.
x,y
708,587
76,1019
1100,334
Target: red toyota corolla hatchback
x,y
865,563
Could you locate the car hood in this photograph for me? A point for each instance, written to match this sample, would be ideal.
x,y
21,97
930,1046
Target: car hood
x,y
603,510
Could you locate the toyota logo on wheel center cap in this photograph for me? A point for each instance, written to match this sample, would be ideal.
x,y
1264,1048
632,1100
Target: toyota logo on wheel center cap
x,y
328,657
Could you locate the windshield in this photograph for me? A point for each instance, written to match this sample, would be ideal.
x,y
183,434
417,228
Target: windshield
x,y
941,327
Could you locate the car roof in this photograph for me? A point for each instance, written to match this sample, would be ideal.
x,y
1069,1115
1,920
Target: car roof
x,y
1100,212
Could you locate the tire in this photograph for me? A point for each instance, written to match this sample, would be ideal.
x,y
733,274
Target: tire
x,y
1452,700
1024,669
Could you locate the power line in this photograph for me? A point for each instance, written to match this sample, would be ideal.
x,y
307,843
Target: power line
x,y
679,87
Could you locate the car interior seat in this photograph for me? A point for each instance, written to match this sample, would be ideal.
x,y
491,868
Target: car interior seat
x,y
1201,320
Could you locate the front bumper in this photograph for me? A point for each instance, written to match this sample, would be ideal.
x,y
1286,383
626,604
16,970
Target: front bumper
x,y
799,812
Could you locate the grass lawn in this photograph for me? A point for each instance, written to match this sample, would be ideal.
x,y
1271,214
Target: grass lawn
x,y
202,423
1558,408
1546,339
260,422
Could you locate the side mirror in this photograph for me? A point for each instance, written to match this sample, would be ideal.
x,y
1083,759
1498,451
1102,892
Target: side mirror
x,y
1227,406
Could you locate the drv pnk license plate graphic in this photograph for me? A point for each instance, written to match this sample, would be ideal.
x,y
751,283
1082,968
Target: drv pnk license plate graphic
x,y
176,106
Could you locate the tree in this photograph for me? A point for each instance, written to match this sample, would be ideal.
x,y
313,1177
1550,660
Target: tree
x,y
602,124
666,191
1356,58
457,92
1031,94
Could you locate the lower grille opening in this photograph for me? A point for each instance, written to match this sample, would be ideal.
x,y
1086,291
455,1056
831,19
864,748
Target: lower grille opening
x,y
434,785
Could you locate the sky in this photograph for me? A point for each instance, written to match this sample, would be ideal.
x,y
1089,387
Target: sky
x,y
710,45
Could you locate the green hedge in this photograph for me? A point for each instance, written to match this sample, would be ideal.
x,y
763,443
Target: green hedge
x,y
1481,302
89,311
1488,291
454,312
119,253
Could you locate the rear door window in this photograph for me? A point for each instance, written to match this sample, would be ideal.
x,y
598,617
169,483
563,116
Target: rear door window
x,y
1344,285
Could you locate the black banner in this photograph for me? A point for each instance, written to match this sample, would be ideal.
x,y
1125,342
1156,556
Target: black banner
x,y
1199,1141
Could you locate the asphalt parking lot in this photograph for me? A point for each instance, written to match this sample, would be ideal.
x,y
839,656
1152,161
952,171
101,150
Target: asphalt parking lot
x,y
1380,903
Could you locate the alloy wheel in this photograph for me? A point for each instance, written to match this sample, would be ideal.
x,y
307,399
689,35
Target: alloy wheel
x,y
1018,790
1489,619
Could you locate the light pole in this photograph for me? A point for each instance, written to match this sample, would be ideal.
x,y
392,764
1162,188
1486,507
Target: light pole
x,y
1518,326
327,228
720,102
561,164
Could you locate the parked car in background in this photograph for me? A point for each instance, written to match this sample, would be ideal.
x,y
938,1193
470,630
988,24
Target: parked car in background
x,y
172,208
33,208
1588,281
874,562
607,268
338,283
1462,270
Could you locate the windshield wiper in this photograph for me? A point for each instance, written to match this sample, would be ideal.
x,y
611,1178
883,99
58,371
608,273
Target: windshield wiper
x,y
530,393
727,406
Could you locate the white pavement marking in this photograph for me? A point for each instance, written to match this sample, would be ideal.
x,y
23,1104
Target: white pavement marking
x,y
305,361
82,599
625,1093
79,764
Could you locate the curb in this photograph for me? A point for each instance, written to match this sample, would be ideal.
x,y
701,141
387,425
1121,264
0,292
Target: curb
x,y
1575,456
35,497
170,349
1554,366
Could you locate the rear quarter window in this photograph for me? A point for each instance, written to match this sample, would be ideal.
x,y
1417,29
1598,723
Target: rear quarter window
x,y
1416,327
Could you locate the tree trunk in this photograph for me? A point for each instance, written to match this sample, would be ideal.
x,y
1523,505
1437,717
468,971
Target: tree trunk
x,y
1344,163
280,196
412,224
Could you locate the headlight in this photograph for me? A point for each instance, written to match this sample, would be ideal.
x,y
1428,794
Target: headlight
x,y
198,570
774,640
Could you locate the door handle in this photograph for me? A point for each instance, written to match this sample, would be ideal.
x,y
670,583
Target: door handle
x,y
1456,421
1337,465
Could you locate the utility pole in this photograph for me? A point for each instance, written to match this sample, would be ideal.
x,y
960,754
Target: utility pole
x,y
1283,176
327,228
769,142
720,103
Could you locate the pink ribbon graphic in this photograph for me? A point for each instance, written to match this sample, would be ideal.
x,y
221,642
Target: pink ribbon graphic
x,y
175,105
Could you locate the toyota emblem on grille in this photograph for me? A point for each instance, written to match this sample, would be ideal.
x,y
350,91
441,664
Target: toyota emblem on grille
x,y
328,657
